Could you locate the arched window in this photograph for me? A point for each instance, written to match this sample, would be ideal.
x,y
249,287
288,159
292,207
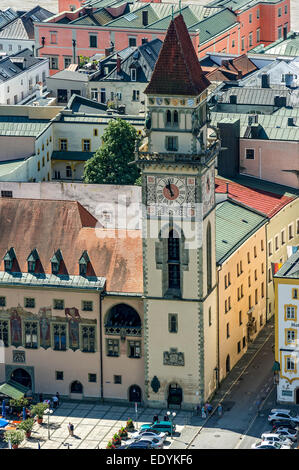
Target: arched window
x,y
168,117
175,118
174,275
76,387
209,257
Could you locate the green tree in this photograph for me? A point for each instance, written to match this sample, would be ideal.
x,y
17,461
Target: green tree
x,y
110,162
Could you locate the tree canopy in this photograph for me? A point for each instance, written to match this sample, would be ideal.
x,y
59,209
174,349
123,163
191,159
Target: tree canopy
x,y
109,164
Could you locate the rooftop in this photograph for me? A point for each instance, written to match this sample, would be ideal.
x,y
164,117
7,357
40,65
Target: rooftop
x,y
234,225
290,269
177,69
15,64
48,226
22,126
245,192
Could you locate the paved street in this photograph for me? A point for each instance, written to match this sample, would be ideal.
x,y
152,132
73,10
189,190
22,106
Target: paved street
x,y
94,425
250,381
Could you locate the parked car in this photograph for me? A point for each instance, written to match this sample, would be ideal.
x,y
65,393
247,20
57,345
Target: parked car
x,y
276,438
284,423
140,445
153,433
269,445
155,442
287,432
282,415
161,426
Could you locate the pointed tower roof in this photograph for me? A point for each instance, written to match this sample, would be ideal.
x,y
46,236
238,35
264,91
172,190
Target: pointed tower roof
x,y
177,70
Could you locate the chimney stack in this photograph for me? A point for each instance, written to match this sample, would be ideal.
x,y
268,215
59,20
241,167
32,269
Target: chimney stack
x,y
118,64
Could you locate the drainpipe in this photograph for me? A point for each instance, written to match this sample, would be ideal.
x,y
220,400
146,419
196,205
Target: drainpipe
x,y
217,326
40,47
101,347
74,51
266,268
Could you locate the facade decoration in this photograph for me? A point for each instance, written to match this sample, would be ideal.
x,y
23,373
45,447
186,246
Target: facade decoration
x,y
173,358
18,356
155,384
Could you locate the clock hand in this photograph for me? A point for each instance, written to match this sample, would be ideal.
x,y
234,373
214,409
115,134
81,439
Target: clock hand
x,y
169,188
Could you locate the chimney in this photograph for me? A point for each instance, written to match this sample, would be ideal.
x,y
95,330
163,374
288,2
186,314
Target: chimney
x,y
118,64
265,80
291,121
227,188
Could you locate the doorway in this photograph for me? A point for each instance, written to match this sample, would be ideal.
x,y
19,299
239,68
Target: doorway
x,y
135,394
22,377
227,364
175,395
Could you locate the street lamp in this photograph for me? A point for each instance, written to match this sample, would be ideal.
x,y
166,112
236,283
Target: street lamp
x,y
172,416
48,412
68,445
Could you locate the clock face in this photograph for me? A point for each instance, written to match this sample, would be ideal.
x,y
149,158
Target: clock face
x,y
171,190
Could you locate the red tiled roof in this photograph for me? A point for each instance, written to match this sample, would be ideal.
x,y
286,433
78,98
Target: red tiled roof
x,y
48,225
265,202
233,68
177,70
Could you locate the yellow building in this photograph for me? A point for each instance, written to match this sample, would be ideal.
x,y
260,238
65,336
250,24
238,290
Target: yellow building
x,y
241,260
286,283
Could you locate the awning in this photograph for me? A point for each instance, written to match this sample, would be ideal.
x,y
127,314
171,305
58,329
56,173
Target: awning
x,y
13,389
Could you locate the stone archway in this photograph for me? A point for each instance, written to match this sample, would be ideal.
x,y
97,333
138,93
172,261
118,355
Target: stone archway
x,y
135,394
76,387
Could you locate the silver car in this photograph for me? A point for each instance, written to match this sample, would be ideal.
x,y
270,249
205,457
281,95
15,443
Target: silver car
x,y
276,438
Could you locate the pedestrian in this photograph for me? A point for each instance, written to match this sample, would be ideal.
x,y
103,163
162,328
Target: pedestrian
x,y
40,397
58,398
166,418
71,429
209,408
55,402
155,419
203,413
220,410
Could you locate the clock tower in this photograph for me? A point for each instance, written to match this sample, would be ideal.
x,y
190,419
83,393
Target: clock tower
x,y
179,261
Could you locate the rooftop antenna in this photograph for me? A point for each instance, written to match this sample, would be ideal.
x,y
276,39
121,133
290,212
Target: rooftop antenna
x,y
180,6
172,12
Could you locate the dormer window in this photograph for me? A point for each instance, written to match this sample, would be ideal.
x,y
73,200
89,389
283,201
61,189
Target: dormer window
x,y
83,263
133,75
55,262
31,260
9,259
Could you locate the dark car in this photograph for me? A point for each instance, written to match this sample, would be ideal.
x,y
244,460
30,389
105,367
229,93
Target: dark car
x,y
282,423
140,445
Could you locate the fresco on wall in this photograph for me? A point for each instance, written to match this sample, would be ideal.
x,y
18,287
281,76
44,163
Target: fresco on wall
x,y
16,328
45,314
73,317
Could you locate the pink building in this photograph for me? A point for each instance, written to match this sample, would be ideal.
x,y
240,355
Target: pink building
x,y
226,26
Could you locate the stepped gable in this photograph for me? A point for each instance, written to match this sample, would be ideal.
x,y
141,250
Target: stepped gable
x,y
177,70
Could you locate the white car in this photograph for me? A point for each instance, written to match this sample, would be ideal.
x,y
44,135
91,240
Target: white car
x,y
288,415
286,432
269,445
155,441
137,435
276,438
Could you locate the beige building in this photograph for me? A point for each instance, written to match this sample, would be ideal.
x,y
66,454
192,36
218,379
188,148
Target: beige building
x,y
71,314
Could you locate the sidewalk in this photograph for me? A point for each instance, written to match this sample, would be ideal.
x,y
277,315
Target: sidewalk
x,y
222,394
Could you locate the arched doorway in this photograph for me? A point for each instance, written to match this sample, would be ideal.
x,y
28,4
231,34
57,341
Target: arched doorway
x,y
76,387
22,377
135,394
297,396
227,364
175,395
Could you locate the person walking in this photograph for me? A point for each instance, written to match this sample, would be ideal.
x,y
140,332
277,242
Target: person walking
x,y
40,397
155,419
71,429
166,418
58,398
220,410
203,413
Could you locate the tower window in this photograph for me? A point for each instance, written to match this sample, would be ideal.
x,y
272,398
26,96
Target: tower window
x,y
174,260
172,323
172,144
